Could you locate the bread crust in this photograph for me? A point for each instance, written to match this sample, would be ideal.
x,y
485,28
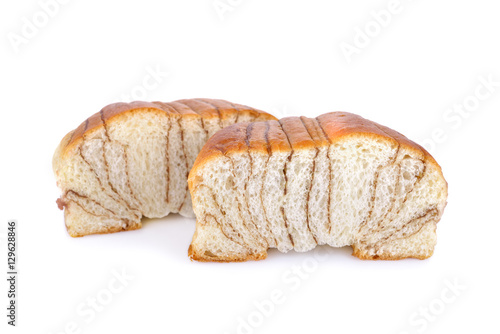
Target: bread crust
x,y
198,107
387,257
334,126
304,133
194,256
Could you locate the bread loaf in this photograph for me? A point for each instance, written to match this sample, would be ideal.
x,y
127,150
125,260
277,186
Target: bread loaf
x,y
337,179
132,160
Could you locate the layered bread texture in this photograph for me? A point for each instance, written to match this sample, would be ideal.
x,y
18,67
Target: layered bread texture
x,y
299,182
132,160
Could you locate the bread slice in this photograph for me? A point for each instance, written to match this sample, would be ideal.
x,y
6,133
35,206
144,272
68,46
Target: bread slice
x,y
337,179
132,159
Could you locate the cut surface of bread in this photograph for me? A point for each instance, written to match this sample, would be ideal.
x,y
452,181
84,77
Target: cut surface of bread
x,y
132,160
337,179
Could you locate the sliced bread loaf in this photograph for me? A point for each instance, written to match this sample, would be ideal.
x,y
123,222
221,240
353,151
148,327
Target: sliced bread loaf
x,y
337,179
132,160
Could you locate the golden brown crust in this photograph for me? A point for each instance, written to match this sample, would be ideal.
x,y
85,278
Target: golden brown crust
x,y
205,108
194,256
341,124
108,231
294,133
387,257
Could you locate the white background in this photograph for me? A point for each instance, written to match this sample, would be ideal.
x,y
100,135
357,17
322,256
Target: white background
x,y
284,57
